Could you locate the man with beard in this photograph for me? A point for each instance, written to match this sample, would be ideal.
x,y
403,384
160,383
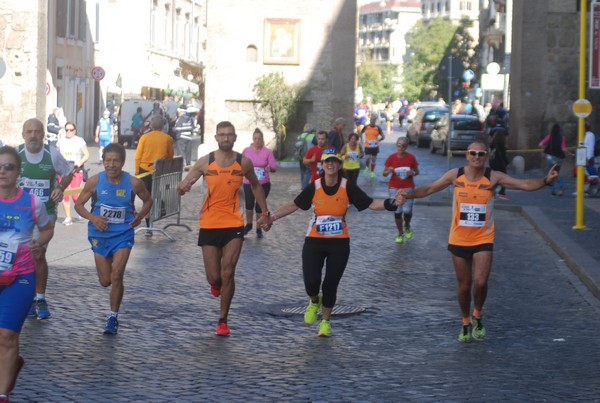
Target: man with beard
x,y
221,222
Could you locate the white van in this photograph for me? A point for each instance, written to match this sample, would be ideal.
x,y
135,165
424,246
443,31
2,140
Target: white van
x,y
127,110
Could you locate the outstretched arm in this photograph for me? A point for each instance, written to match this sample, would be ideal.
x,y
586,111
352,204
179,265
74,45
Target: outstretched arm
x,y
440,184
500,178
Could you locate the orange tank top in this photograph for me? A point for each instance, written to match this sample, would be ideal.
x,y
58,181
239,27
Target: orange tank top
x,y
329,220
221,208
371,134
472,211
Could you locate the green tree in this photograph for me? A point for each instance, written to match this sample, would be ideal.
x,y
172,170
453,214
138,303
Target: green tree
x,y
277,102
378,81
429,44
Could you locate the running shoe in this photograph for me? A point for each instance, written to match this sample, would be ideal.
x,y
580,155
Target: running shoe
x,y
247,228
4,399
312,311
372,174
465,334
148,233
408,233
41,309
366,170
324,328
68,221
400,239
32,313
112,325
223,329
20,364
479,331
215,290
259,233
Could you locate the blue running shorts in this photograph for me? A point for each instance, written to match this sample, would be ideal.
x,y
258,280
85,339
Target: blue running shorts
x,y
15,300
108,246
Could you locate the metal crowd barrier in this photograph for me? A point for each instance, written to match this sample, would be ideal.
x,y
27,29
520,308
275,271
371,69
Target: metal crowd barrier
x,y
166,200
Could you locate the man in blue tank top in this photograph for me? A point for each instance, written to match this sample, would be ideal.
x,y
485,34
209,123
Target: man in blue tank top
x,y
112,220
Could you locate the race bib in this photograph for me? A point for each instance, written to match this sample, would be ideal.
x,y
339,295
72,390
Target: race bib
x,y
260,173
372,143
329,225
37,187
402,172
472,215
115,215
352,156
8,254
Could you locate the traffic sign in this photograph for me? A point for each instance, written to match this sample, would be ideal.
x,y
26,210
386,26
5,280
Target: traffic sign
x,y
47,88
582,108
98,73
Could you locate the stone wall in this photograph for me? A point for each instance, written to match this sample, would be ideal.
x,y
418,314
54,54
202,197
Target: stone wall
x,y
545,74
23,33
327,52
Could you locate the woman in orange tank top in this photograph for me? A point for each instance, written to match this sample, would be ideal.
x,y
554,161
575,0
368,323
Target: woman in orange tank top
x,y
471,239
327,236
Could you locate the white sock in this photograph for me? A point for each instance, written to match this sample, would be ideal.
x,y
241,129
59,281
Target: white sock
x,y
39,296
115,314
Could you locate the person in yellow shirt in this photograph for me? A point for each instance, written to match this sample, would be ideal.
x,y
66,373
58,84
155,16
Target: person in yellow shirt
x,y
152,146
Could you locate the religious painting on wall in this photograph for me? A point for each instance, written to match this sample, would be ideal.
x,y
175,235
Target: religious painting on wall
x,y
282,41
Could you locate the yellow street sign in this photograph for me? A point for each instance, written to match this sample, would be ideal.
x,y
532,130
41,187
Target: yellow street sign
x,y
582,108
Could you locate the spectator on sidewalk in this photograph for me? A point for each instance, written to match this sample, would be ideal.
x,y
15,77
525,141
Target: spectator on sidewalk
x,y
105,133
184,130
555,148
75,151
153,146
589,143
19,245
471,239
303,143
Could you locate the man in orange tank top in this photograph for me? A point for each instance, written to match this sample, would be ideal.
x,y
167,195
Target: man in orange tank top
x,y
221,221
471,240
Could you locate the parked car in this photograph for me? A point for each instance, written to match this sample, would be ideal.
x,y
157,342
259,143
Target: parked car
x,y
419,130
455,132
420,105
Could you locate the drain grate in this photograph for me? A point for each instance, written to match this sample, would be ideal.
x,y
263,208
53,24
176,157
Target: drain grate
x,y
337,310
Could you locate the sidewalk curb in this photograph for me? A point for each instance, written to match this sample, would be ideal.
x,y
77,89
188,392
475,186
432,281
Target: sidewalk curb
x,y
578,260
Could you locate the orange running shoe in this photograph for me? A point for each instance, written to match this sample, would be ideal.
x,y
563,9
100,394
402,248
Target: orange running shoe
x,y
215,290
223,329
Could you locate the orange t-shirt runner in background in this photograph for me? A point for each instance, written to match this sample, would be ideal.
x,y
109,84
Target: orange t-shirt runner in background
x,y
221,208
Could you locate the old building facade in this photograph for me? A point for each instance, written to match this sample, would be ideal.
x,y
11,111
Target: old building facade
x,y
310,42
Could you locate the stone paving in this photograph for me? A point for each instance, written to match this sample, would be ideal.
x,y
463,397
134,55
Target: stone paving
x,y
542,322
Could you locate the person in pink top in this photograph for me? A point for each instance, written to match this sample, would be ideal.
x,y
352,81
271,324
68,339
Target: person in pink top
x,y
20,213
264,162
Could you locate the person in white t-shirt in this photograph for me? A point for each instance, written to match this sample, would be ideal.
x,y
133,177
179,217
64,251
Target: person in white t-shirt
x,y
75,151
589,142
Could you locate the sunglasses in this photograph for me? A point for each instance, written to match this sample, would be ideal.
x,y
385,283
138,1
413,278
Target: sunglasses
x,y
8,166
70,130
474,153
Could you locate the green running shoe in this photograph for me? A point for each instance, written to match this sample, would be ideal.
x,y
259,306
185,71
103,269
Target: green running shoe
x,y
465,334
312,310
372,174
325,328
366,170
479,331
408,233
400,239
